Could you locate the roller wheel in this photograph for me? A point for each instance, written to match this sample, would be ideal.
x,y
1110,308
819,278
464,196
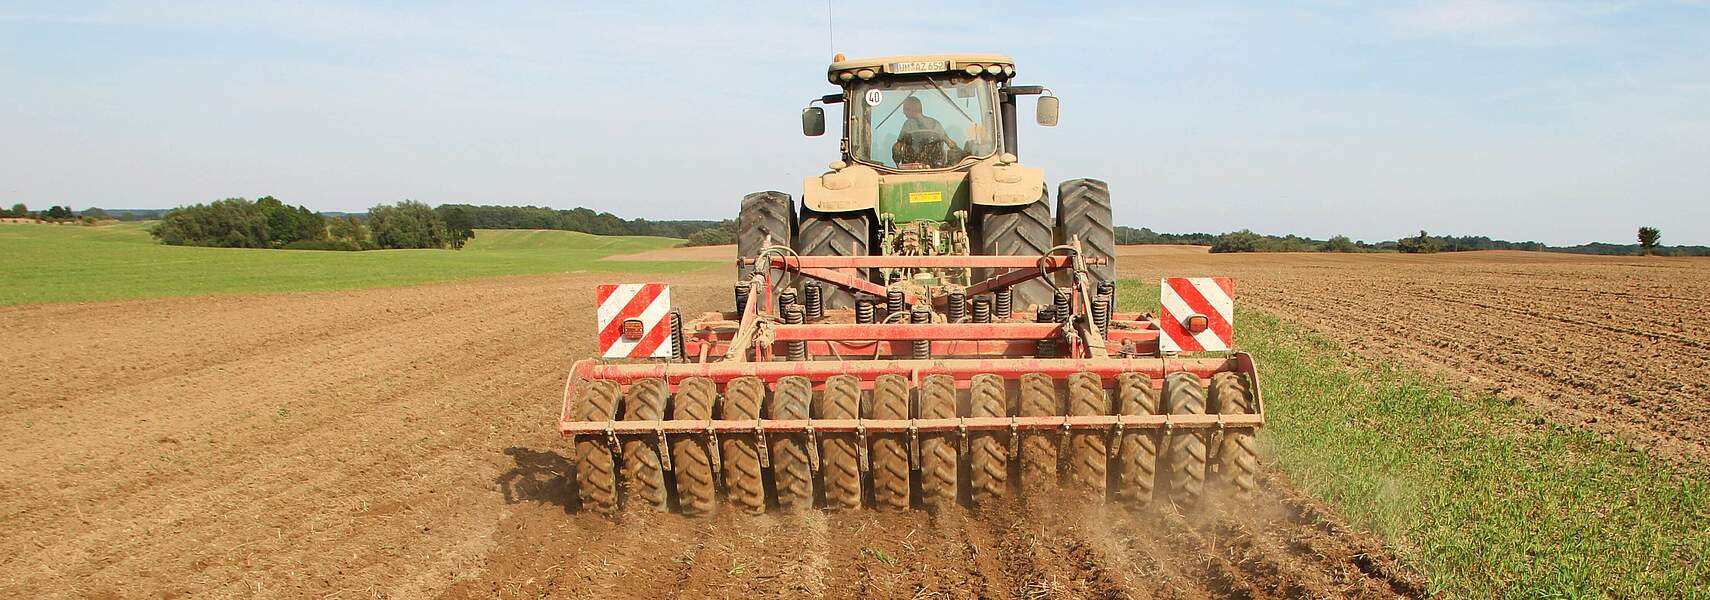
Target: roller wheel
x,y
1017,230
839,466
988,471
835,234
739,453
890,450
764,214
1137,457
791,474
691,456
1237,450
643,472
1183,395
1087,448
596,473
938,450
1083,211
1039,448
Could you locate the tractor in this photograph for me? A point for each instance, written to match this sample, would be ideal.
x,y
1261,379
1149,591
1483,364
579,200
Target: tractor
x,y
921,331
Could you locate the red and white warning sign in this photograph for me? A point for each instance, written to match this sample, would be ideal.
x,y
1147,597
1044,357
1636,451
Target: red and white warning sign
x,y
1196,314
634,320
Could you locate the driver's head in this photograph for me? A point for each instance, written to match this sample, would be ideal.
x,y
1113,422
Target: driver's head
x,y
911,107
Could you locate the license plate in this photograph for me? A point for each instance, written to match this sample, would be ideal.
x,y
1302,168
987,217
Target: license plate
x,y
920,66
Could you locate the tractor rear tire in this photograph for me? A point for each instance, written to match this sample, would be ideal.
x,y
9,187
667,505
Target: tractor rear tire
x,y
1237,450
596,473
988,455
840,469
792,477
1137,457
739,452
890,450
1183,395
691,456
836,234
1039,448
938,450
1088,457
1083,211
643,472
1017,230
764,215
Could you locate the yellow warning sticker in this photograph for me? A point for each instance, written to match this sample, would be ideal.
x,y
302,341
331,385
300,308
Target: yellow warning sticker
x,y
925,197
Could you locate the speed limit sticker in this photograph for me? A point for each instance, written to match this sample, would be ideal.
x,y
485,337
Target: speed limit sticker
x,y
874,96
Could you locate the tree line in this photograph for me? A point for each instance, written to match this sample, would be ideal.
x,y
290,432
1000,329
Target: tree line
x,y
1424,242
576,219
268,222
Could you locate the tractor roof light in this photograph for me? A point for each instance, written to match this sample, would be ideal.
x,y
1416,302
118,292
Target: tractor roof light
x,y
994,69
973,69
865,74
845,76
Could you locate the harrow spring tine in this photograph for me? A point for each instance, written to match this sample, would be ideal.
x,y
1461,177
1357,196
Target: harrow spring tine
x,y
760,445
861,447
961,437
664,450
813,449
913,447
1014,438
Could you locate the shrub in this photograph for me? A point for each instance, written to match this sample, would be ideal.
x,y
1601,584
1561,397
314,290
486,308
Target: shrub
x,y
239,223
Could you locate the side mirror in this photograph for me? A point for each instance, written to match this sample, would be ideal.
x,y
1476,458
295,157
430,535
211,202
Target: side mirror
x,y
813,121
1047,113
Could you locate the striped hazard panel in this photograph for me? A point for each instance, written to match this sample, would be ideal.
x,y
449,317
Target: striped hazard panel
x,y
634,320
1196,314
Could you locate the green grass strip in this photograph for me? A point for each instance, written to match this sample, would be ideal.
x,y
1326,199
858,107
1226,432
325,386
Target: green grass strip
x,y
1482,496
56,263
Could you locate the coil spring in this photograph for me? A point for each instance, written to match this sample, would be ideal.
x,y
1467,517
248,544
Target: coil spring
x,y
814,296
894,302
1004,306
956,306
1108,290
797,350
1060,305
741,297
786,298
1101,313
922,348
676,334
982,309
1045,347
865,310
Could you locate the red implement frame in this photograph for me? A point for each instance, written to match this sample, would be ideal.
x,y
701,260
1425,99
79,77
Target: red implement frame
x,y
752,342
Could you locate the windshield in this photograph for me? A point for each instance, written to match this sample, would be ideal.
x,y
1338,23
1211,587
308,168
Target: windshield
x,y
927,123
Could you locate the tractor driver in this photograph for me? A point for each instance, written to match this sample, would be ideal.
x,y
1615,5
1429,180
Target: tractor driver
x,y
923,139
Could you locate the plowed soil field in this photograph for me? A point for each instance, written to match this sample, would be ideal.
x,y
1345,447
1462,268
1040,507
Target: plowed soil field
x,y
1618,345
399,443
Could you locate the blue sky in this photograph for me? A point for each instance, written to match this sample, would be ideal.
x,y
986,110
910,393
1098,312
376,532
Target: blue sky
x,y
1560,122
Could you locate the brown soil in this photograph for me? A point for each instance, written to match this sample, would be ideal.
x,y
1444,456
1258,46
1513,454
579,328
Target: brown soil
x,y
1619,345
399,443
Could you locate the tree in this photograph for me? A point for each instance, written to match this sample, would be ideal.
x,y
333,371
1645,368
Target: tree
x,y
59,212
459,227
348,229
407,224
1420,244
1340,243
96,214
1237,241
20,211
1648,238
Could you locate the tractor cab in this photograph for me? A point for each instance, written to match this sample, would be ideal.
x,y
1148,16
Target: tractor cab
x,y
927,112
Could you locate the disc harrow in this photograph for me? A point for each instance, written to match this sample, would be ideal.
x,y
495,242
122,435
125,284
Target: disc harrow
x,y
893,404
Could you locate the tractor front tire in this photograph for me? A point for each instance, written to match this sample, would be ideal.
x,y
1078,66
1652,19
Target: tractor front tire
x,y
1024,230
835,234
765,216
1083,212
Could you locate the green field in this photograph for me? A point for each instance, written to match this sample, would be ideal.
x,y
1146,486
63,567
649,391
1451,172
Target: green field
x,y
52,263
1482,497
